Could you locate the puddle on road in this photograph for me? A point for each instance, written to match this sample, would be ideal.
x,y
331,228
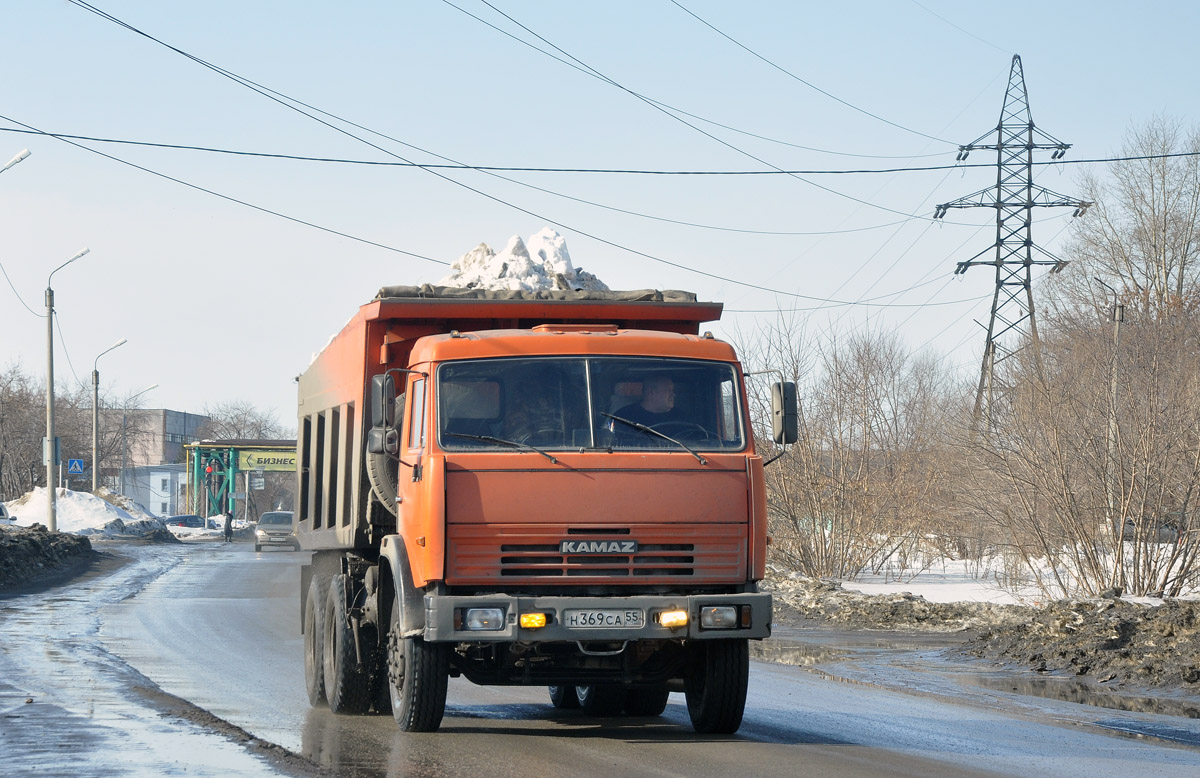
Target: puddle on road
x,y
832,654
1083,693
791,653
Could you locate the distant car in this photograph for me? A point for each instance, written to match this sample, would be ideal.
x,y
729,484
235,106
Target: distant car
x,y
5,516
275,529
186,520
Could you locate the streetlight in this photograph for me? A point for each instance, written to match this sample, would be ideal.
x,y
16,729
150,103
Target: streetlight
x,y
49,450
124,443
22,154
96,415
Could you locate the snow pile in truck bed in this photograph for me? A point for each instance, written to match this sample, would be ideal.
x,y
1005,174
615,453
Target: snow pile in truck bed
x,y
542,262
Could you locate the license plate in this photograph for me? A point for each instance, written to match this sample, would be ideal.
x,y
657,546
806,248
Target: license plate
x,y
605,618
277,540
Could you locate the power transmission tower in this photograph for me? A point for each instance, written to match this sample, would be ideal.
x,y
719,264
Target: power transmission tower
x,y
1012,325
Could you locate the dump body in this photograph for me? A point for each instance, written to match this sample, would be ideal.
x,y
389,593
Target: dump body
x,y
481,491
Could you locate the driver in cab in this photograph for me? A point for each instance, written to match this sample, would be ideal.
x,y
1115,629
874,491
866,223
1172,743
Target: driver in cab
x,y
657,404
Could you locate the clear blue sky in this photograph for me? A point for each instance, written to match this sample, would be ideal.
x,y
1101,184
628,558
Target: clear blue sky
x,y
221,302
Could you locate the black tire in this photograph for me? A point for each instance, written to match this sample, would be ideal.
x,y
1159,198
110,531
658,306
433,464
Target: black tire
x,y
383,475
564,697
314,642
347,683
650,701
417,673
601,699
257,548
715,685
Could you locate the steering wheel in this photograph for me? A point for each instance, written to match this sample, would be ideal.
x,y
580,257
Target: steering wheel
x,y
545,433
681,430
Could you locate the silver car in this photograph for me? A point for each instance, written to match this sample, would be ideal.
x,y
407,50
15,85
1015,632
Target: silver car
x,y
275,529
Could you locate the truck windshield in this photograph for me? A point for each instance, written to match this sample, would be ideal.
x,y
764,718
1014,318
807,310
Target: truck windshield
x,y
618,403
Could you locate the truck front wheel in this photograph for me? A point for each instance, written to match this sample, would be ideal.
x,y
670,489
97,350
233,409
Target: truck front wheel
x,y
418,673
347,683
715,685
314,642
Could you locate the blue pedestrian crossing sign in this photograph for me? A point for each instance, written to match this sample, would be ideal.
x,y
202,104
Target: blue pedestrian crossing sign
x,y
74,467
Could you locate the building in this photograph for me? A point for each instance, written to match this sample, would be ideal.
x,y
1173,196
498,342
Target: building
x,y
160,489
150,466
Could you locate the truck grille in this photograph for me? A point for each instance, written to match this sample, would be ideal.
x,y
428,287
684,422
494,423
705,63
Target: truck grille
x,y
707,553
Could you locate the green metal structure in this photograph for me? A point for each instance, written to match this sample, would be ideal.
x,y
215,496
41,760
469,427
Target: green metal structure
x,y
214,465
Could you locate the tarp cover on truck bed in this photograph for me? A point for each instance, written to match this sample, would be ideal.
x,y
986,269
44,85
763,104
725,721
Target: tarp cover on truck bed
x,y
428,291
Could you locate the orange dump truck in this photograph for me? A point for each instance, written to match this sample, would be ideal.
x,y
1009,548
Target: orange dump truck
x,y
552,488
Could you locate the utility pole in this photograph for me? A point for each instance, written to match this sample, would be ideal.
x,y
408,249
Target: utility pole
x,y
1012,324
1116,519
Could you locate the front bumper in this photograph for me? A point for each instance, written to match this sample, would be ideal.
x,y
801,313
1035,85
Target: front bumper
x,y
440,618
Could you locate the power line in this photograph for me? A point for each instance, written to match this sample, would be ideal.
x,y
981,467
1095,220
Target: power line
x,y
808,84
960,29
614,171
669,107
236,200
487,170
292,103
62,340
18,294
692,126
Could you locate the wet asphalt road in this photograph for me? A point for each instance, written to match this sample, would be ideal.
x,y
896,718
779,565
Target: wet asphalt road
x,y
218,625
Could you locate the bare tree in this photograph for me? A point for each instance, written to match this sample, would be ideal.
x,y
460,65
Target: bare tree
x,y
1142,236
240,420
865,480
1097,489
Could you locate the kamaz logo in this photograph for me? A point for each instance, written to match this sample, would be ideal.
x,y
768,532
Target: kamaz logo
x,y
598,547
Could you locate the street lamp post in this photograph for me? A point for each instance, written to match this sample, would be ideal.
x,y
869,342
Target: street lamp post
x,y
49,449
124,442
96,415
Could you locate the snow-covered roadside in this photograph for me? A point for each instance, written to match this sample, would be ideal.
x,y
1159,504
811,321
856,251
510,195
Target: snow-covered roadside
x,y
1133,642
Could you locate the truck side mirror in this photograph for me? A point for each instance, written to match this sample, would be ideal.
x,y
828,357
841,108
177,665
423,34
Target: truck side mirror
x,y
383,440
785,420
383,395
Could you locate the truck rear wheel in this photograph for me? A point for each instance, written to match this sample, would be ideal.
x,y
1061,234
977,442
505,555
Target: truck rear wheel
x,y
650,701
715,685
347,683
564,697
314,642
601,699
418,673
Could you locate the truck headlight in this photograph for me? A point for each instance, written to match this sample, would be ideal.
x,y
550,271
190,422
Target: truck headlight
x,y
483,619
719,617
673,618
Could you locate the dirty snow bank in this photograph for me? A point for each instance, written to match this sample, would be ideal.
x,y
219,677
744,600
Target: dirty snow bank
x,y
1109,639
1147,644
29,552
799,599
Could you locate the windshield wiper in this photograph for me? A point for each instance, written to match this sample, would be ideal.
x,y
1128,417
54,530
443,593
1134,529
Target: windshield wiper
x,y
652,431
503,442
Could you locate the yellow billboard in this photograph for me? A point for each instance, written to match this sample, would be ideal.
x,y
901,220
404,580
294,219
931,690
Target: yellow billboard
x,y
284,459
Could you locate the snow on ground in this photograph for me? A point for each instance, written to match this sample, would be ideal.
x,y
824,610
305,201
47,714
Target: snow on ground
x,y
83,513
946,580
74,511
